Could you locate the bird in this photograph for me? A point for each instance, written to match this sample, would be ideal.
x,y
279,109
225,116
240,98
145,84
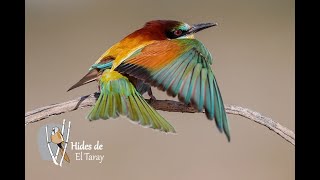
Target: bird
x,y
57,138
163,54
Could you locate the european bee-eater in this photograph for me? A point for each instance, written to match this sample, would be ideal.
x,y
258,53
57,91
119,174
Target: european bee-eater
x,y
164,54
57,138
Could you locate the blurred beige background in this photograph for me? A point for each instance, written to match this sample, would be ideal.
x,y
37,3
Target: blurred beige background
x,y
253,50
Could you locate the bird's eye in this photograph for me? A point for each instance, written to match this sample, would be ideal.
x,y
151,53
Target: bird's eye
x,y
177,32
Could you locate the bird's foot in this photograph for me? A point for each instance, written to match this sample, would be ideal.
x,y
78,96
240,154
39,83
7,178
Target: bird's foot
x,y
152,98
99,90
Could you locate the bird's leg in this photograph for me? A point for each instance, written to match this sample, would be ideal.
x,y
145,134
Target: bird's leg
x,y
98,80
152,98
99,90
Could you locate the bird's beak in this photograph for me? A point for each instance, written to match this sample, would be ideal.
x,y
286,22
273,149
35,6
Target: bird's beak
x,y
198,27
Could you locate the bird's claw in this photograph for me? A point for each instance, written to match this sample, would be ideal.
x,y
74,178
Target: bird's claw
x,y
152,98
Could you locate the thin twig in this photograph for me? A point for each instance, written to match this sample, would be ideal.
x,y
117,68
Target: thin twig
x,y
164,105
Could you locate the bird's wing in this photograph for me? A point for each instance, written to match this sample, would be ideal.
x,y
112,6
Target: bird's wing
x,y
180,67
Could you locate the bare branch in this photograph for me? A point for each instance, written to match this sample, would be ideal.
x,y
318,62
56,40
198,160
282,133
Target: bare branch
x,y
164,105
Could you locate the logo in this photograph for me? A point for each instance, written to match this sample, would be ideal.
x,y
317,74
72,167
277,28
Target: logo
x,y
55,145
57,142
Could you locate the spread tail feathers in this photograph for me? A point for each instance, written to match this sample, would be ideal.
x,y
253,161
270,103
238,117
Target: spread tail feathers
x,y
119,97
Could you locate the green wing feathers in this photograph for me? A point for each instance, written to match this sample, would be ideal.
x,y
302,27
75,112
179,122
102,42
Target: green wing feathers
x,y
119,97
186,73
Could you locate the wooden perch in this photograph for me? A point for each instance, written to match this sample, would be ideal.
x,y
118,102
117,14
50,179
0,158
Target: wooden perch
x,y
164,105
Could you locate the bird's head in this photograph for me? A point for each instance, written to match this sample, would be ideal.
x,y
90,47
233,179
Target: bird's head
x,y
175,29
54,130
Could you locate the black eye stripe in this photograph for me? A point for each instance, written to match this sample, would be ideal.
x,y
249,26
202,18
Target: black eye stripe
x,y
173,34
